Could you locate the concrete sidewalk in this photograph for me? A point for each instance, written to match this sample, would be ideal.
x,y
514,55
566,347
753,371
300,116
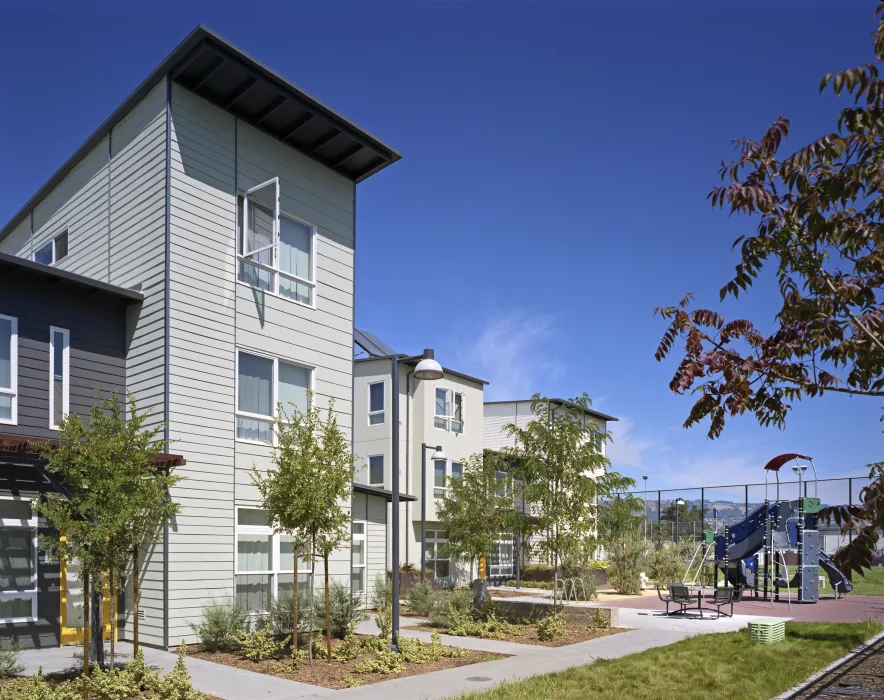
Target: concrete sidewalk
x,y
647,629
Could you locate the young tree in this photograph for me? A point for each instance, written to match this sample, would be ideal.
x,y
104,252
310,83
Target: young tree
x,y
116,501
563,474
307,493
476,507
618,516
820,228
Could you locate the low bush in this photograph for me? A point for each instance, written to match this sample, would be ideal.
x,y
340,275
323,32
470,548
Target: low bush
x,y
351,682
545,585
9,653
176,683
413,651
625,559
281,615
113,684
349,649
439,651
490,626
221,625
551,627
38,688
382,592
346,609
261,644
384,662
420,598
598,619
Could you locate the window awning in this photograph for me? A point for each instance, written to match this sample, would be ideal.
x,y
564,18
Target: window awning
x,y
380,492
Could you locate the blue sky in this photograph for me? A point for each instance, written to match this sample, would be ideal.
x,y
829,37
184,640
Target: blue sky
x,y
556,159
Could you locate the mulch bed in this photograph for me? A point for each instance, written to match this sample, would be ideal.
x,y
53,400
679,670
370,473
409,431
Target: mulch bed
x,y
331,675
528,634
863,675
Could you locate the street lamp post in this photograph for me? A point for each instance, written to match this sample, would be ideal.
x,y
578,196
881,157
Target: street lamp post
x,y
428,369
645,479
679,502
437,454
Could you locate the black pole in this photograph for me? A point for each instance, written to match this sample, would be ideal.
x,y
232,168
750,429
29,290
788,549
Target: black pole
x,y
423,512
702,508
395,501
659,515
676,521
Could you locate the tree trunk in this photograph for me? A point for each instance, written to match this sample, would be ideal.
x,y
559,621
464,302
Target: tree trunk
x,y
328,632
135,601
310,596
295,601
97,627
85,636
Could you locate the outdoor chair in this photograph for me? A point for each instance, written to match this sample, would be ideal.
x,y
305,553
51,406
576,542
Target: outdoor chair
x,y
723,597
667,599
681,596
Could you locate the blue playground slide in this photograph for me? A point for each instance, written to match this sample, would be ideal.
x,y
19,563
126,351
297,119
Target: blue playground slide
x,y
835,576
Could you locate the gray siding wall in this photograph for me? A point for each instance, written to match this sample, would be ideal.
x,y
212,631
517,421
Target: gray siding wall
x,y
373,511
113,206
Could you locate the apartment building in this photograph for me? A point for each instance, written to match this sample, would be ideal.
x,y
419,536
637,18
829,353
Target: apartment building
x,y
444,413
224,196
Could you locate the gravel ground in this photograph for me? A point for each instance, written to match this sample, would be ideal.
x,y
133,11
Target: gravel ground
x,y
862,676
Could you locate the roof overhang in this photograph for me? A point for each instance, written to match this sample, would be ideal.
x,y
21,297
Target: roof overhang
x,y
564,402
218,71
11,266
30,447
380,492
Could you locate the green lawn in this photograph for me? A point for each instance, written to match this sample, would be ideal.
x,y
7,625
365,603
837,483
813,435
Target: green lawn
x,y
698,668
870,584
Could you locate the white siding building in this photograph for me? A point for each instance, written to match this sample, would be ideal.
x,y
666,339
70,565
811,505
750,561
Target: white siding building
x,y
226,196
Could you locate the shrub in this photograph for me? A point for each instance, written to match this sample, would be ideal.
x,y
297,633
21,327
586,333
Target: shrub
x,y
438,651
281,616
420,598
545,585
625,560
221,624
382,594
351,682
413,650
37,688
9,653
384,620
384,662
551,627
176,684
261,644
349,649
141,674
112,684
598,619
465,624
666,561
346,609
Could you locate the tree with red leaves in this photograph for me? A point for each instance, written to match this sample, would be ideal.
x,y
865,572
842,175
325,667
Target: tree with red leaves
x,y
820,216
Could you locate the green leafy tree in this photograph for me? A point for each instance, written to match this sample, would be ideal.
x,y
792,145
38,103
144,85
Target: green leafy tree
x,y
689,515
307,493
619,516
477,508
562,473
117,500
819,227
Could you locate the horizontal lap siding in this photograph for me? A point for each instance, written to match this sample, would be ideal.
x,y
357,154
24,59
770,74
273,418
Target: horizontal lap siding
x,y
202,356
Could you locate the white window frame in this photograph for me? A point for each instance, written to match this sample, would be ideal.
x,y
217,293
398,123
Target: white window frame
x,y
53,242
382,411
33,591
66,370
446,422
368,469
505,539
436,540
447,474
13,373
363,565
305,566
244,255
275,383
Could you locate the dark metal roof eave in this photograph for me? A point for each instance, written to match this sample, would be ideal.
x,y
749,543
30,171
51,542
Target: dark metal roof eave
x,y
563,402
380,492
414,362
45,271
181,52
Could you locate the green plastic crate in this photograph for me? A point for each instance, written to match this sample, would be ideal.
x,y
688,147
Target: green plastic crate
x,y
767,631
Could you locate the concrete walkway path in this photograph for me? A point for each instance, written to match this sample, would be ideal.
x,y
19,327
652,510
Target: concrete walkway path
x,y
647,629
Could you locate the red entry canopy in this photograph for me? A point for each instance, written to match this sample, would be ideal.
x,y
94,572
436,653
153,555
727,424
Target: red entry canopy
x,y
777,462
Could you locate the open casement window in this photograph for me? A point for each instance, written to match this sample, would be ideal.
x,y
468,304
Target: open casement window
x,y
18,561
277,249
265,562
448,411
8,369
357,565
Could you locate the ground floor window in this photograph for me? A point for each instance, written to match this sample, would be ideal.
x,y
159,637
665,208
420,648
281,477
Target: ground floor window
x,y
438,559
500,561
265,563
18,561
357,565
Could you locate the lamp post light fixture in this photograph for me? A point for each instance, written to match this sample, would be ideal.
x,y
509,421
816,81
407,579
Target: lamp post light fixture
x,y
437,454
679,502
427,369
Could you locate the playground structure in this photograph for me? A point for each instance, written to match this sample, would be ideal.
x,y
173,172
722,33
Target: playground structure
x,y
754,554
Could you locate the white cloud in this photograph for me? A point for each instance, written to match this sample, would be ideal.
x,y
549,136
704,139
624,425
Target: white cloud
x,y
626,447
511,351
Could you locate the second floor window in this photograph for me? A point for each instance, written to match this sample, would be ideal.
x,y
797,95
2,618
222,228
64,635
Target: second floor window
x,y
59,376
448,411
376,403
262,382
276,249
8,369
53,251
376,470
